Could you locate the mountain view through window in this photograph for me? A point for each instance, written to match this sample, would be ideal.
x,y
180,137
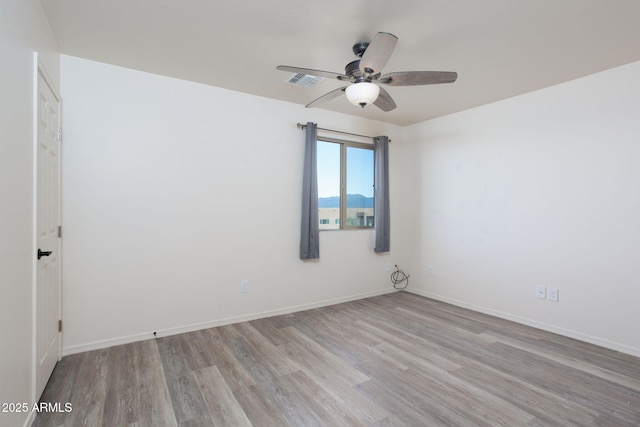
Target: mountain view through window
x,y
345,185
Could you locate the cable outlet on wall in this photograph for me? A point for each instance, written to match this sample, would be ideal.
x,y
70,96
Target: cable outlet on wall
x,y
244,286
552,295
431,271
388,267
541,291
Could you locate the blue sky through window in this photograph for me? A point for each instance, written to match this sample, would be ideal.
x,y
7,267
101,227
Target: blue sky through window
x,y
359,170
328,169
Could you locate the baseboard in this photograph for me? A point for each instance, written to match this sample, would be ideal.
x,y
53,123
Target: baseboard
x,y
97,345
633,351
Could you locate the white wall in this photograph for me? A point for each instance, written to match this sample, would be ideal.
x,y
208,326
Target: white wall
x,y
174,192
541,189
23,30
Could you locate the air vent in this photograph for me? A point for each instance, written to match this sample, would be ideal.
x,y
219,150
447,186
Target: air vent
x,y
303,80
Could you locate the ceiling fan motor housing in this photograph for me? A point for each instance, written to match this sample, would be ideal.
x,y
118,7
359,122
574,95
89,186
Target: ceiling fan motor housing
x,y
352,69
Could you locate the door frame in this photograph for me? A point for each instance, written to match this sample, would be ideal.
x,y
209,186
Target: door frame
x,y
40,70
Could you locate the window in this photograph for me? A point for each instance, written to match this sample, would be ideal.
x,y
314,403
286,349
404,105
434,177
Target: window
x,y
345,185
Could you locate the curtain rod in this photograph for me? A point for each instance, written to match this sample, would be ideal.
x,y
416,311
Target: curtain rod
x,y
301,126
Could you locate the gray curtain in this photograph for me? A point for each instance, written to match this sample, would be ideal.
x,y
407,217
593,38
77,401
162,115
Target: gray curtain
x,y
381,200
309,232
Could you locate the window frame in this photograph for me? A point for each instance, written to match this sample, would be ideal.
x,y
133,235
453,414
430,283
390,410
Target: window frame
x,y
344,145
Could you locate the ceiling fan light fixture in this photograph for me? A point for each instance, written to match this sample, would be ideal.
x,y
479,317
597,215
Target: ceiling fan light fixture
x,y
362,94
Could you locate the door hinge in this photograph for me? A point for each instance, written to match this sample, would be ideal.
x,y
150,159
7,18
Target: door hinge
x,y
60,325
59,231
59,134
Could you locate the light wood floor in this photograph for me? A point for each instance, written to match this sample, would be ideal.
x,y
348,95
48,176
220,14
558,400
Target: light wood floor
x,y
397,359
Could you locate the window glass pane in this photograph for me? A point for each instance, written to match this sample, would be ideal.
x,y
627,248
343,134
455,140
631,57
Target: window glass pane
x,y
328,185
359,187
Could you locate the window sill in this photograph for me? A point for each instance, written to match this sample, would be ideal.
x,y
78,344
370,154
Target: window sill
x,y
348,229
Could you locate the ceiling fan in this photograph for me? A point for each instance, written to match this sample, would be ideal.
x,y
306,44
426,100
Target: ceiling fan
x,y
365,75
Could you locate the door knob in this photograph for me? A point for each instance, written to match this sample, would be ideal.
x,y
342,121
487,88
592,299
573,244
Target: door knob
x,y
43,253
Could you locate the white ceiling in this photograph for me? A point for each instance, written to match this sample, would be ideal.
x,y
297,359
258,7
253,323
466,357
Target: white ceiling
x,y
500,48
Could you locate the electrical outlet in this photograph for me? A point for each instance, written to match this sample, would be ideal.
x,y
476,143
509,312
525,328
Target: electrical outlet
x,y
244,286
541,291
552,295
388,267
431,271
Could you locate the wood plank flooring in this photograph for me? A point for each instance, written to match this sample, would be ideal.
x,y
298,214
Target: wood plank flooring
x,y
393,360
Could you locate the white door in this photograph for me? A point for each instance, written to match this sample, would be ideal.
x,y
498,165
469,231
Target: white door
x,y
47,287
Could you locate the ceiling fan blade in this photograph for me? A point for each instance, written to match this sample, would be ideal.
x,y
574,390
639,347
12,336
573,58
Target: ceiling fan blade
x,y
378,53
384,101
416,78
310,72
326,97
